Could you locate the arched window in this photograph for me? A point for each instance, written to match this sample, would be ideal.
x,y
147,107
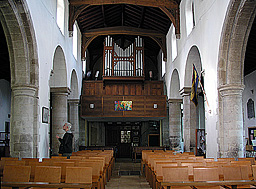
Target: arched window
x,y
60,15
250,109
163,65
75,41
190,16
174,44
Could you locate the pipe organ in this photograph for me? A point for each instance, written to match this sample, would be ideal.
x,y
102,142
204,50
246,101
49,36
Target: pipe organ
x,y
127,62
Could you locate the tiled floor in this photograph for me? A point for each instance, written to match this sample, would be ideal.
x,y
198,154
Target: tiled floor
x,y
126,175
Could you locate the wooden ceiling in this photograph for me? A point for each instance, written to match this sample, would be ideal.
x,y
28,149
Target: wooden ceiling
x,y
125,19
134,15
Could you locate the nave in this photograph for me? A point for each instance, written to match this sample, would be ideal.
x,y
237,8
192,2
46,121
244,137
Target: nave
x,y
126,174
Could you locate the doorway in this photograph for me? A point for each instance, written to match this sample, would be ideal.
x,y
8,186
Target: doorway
x,y
123,136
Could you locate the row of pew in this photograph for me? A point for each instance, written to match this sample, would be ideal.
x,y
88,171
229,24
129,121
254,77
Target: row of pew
x,y
167,169
84,169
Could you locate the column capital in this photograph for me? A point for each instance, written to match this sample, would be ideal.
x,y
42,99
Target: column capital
x,y
174,100
25,90
74,100
60,90
185,91
231,89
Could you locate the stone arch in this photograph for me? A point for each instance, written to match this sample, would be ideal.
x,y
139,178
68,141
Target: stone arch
x,y
175,85
73,110
58,77
59,96
193,58
20,37
191,114
175,101
234,37
74,86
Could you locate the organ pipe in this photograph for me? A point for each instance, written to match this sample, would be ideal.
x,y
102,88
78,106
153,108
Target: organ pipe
x,y
123,62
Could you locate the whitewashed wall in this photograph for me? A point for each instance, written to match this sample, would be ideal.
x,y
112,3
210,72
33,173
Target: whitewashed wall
x,y
48,37
209,18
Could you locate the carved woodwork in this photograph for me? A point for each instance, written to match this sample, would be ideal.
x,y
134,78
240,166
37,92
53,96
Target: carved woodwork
x,y
143,100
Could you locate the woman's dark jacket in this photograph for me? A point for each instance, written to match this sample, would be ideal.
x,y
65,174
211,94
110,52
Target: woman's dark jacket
x,y
66,143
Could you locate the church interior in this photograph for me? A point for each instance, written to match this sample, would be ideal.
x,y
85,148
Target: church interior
x,y
143,83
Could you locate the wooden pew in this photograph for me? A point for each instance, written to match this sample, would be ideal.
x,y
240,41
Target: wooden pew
x,y
190,166
97,178
158,172
192,184
33,165
79,175
16,173
236,172
16,185
63,165
206,174
175,174
49,174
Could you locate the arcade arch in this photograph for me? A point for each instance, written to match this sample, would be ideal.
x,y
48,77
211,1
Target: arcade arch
x,y
14,17
59,97
234,37
193,116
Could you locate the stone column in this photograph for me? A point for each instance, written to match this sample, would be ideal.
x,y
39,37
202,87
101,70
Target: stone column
x,y
74,120
189,121
23,140
175,137
231,129
59,115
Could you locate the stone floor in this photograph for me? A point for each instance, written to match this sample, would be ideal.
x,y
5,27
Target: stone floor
x,y
126,174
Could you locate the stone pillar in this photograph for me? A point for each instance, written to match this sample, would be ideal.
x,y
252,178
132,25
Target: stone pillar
x,y
59,115
22,139
175,137
82,132
74,120
231,129
189,121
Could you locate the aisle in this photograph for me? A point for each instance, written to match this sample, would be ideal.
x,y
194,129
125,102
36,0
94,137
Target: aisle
x,y
126,174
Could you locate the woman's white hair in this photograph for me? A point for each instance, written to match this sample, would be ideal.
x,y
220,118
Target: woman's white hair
x,y
69,125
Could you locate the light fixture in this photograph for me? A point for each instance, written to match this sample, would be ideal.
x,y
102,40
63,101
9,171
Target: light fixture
x,y
92,106
97,75
155,106
150,75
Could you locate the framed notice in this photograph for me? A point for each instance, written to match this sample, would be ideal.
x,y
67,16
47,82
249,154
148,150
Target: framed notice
x,y
45,115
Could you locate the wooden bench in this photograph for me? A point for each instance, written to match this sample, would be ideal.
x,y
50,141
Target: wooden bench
x,y
206,174
97,175
191,184
175,174
16,173
16,185
49,174
81,175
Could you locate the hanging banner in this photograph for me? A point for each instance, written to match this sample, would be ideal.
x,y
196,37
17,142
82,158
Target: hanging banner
x,y
123,105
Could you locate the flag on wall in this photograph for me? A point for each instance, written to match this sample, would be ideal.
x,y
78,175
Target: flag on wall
x,y
195,80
